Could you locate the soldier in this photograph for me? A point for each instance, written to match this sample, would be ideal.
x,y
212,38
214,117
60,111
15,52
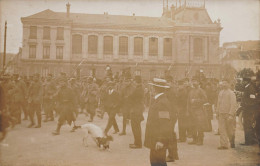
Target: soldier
x,y
196,99
126,90
158,133
76,93
35,100
18,93
91,98
136,114
49,89
66,102
183,120
249,104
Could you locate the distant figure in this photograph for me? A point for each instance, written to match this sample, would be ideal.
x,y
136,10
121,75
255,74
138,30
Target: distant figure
x,y
226,109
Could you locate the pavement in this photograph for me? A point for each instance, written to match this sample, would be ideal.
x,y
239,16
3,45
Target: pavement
x,y
38,147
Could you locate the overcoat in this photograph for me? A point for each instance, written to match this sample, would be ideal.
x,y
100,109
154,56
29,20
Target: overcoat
x,y
158,123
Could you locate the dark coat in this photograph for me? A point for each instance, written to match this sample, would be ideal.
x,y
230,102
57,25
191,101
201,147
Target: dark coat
x,y
66,102
137,103
249,103
158,122
111,102
35,93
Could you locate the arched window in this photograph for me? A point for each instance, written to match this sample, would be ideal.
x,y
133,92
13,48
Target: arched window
x,y
167,47
138,46
153,46
198,48
108,45
123,45
92,44
76,44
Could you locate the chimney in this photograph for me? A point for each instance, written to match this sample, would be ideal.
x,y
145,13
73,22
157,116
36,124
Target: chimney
x,y
68,9
173,12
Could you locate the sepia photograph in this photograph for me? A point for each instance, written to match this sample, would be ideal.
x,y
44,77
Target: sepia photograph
x,y
129,82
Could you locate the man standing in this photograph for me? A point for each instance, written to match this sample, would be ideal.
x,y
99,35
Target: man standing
x,y
111,106
226,109
136,113
196,99
48,101
91,98
66,102
158,133
249,109
35,100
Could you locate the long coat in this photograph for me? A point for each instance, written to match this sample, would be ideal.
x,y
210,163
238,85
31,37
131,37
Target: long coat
x,y
249,101
111,102
158,123
137,103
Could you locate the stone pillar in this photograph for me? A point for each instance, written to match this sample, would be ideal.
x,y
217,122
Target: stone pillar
x,y
100,46
67,44
131,47
160,48
26,33
146,47
53,37
84,45
39,46
115,46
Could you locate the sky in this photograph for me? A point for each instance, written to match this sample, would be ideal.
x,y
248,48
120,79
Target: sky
x,y
239,18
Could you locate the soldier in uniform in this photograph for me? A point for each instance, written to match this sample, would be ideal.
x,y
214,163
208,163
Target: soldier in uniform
x,y
91,98
249,109
136,112
158,133
126,90
18,94
183,120
35,100
66,102
196,98
49,89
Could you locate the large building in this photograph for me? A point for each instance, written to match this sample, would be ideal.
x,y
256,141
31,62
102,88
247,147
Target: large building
x,y
182,40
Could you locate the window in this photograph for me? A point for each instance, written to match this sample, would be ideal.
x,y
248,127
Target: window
x,y
138,46
123,45
32,51
108,45
198,48
60,33
92,44
46,52
46,33
59,52
167,47
33,32
153,46
76,44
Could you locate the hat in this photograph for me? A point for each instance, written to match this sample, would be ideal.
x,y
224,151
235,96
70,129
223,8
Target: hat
x,y
158,82
111,83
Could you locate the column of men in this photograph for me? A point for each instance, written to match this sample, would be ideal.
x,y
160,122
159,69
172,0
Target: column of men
x,y
189,103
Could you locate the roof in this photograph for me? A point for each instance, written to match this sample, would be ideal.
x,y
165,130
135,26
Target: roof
x,y
103,19
242,55
193,16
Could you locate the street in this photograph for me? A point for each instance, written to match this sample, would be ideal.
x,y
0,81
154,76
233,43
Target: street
x,y
38,147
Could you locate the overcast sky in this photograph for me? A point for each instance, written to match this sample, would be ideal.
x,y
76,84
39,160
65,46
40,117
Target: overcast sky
x,y
240,18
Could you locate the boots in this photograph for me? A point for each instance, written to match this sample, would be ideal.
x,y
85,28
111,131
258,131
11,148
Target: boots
x,y
57,131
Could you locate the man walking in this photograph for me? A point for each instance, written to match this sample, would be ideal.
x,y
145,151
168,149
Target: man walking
x,y
226,109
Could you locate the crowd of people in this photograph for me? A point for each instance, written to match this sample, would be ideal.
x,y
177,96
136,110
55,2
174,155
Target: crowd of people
x,y
190,102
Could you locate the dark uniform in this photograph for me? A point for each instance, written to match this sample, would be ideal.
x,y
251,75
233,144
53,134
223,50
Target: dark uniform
x,y
48,101
111,106
91,98
158,130
35,100
66,102
249,110
196,99
136,114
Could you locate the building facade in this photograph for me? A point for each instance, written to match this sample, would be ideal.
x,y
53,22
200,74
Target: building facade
x,y
182,40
